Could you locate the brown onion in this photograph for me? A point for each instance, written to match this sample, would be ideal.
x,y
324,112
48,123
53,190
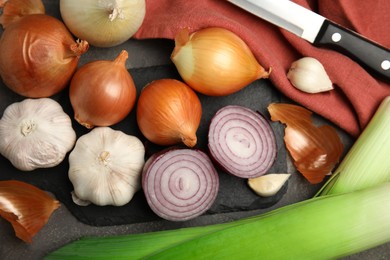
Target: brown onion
x,y
102,93
169,112
180,184
242,141
38,54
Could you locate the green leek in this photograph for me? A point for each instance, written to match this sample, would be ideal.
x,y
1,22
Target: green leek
x,y
320,228
367,163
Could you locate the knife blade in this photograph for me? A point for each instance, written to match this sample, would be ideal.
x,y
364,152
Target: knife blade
x,y
321,32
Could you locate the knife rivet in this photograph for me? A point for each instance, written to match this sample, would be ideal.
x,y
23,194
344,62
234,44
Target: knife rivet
x,y
336,37
385,64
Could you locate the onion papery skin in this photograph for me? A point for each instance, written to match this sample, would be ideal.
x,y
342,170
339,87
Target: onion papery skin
x,y
15,9
215,61
38,56
242,142
180,184
315,150
105,23
102,92
26,207
169,112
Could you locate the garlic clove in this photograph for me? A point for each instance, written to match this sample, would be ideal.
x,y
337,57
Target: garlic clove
x,y
79,201
269,184
308,75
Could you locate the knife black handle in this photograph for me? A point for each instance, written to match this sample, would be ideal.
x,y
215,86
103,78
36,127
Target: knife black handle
x,y
372,56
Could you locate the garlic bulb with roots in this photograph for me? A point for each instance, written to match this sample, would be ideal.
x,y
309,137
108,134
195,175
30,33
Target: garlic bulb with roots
x,y
35,133
105,167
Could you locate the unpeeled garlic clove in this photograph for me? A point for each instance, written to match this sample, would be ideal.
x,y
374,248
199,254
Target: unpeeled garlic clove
x,y
308,75
269,184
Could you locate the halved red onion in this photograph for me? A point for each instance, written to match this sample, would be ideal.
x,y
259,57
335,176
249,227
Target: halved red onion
x,y
180,184
242,141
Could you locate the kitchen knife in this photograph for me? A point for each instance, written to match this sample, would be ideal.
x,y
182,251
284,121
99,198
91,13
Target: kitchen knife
x,y
321,32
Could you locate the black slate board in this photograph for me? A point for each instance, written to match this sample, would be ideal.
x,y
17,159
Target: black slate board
x,y
234,194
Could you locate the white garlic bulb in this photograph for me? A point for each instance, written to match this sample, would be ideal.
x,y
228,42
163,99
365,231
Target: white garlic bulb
x,y
308,75
105,167
35,133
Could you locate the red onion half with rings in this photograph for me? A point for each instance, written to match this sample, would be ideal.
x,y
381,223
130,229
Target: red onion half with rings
x,y
242,141
180,184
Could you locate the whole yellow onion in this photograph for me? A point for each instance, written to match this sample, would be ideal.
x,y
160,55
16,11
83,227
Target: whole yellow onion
x,y
104,23
215,61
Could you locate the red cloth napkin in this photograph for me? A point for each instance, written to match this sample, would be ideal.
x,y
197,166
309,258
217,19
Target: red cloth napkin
x,y
357,94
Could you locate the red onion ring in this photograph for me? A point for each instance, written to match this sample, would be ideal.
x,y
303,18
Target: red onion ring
x,y
242,141
180,184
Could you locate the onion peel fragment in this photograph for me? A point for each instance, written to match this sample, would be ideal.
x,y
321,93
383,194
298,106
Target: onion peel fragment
x,y
26,207
315,150
15,9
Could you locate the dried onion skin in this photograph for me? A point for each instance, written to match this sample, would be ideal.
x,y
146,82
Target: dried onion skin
x,y
26,207
315,150
13,10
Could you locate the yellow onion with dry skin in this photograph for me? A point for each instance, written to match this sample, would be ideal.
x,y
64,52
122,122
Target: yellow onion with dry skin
x,y
103,23
102,92
215,61
38,53
169,112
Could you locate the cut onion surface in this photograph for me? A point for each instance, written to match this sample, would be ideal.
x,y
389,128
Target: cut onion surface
x,y
242,141
180,184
